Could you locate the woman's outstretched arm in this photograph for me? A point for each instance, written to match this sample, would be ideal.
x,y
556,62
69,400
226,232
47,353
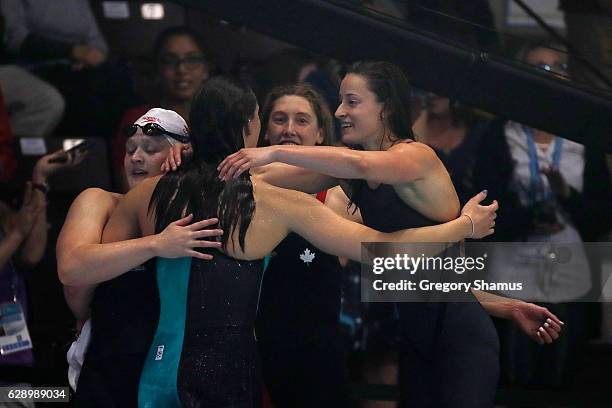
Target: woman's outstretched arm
x,y
415,171
326,230
278,174
83,260
403,163
535,321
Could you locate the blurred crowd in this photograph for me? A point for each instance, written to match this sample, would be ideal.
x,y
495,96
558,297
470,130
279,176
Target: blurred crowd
x,y
59,81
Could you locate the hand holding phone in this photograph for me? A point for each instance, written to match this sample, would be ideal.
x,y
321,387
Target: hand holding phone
x,y
77,149
60,159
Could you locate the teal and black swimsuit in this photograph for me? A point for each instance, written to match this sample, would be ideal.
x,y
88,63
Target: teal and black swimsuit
x,y
204,351
181,337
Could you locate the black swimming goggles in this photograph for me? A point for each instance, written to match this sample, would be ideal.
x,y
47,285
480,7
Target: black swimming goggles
x,y
153,129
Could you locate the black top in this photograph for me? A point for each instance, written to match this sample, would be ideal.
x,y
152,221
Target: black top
x,y
419,322
124,313
299,299
124,316
460,161
382,209
218,361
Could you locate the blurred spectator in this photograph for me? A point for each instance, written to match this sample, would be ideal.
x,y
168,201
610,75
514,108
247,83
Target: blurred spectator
x,y
40,31
589,29
7,155
64,46
284,68
34,107
539,179
23,239
182,66
454,132
297,66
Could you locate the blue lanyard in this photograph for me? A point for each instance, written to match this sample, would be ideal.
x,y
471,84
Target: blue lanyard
x,y
536,188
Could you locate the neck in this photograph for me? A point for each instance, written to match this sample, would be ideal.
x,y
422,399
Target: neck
x,y
542,137
387,141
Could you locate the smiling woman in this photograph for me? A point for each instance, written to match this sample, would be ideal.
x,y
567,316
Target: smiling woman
x,y
100,280
298,332
397,182
296,115
213,355
182,65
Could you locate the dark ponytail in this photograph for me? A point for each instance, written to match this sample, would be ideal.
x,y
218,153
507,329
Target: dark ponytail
x,y
219,114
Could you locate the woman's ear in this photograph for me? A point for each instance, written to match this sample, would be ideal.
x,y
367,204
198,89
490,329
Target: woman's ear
x,y
320,139
385,114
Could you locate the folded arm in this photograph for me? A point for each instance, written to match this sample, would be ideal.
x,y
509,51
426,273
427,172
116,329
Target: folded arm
x,y
328,231
82,259
294,178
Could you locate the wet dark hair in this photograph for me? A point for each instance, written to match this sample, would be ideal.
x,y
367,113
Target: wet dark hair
x,y
314,98
392,89
181,31
220,111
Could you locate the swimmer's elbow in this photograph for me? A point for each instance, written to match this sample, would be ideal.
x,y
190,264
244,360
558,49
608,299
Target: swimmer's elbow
x,y
451,214
68,269
66,274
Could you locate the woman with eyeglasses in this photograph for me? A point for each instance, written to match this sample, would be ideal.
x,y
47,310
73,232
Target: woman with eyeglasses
x,y
182,65
448,351
540,178
109,281
203,353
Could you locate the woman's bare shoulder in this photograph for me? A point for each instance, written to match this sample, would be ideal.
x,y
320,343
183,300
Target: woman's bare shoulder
x,y
142,192
94,194
411,146
93,201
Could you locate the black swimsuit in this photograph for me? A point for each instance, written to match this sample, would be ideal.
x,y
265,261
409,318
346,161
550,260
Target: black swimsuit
x,y
449,352
124,314
218,366
298,329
